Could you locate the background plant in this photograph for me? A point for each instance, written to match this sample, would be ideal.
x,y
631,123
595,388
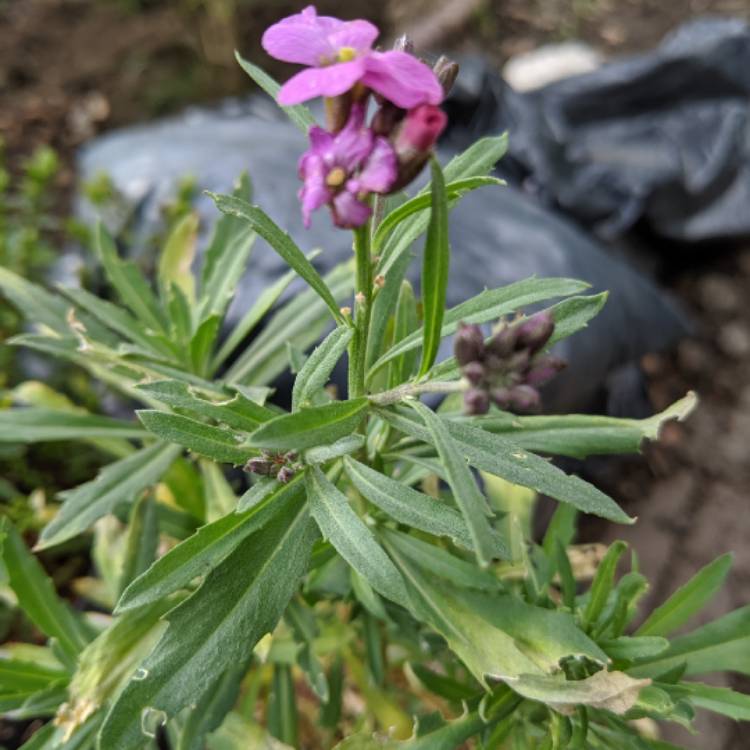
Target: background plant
x,y
380,566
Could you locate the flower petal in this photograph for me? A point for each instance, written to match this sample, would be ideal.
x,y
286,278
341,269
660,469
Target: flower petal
x,y
302,38
402,79
314,193
379,172
313,82
359,35
354,141
348,212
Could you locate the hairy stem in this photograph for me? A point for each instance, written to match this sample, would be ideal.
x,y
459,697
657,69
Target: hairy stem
x,y
409,390
362,312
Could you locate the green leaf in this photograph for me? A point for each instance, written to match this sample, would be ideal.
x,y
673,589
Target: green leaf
x,y
51,737
602,584
202,343
207,548
177,257
582,435
25,676
245,596
239,733
405,323
300,322
422,202
298,114
141,541
721,645
310,427
34,425
216,443
120,482
281,242
469,499
282,707
37,596
351,538
720,700
486,306
219,495
342,447
688,600
235,411
36,303
627,648
316,371
408,506
225,259
128,281
497,455
435,266
498,635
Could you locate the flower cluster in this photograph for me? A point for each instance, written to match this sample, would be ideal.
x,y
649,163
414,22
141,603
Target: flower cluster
x,y
350,160
508,368
281,465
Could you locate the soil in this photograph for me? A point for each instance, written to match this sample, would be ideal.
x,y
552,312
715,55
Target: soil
x,y
71,68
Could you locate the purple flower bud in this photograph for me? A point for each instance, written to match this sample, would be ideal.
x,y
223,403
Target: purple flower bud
x,y
503,342
291,456
500,397
476,401
518,362
259,466
468,344
534,332
446,71
285,474
474,372
524,399
544,370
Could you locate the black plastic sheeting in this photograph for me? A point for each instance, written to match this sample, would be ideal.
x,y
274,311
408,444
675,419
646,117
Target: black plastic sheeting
x,y
661,139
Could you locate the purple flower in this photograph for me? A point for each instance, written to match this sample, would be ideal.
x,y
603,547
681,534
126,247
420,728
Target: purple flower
x,y
339,55
341,170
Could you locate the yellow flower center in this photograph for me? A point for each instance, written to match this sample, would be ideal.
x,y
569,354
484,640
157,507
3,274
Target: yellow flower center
x,y
347,54
336,177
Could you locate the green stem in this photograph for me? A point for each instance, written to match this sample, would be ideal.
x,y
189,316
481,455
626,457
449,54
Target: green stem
x,y
409,390
362,311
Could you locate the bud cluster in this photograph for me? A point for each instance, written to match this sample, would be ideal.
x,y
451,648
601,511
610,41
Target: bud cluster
x,y
509,368
281,465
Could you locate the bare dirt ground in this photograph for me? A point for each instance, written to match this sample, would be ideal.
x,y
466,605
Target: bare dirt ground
x,y
71,68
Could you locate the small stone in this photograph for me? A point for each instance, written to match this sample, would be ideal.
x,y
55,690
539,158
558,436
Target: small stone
x,y
718,293
734,340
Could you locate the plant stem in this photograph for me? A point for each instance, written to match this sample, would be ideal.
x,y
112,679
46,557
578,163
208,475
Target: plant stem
x,y
409,390
362,311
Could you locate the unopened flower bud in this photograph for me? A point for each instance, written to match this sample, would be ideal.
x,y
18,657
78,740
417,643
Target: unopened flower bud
x,y
524,399
404,43
476,401
285,474
446,71
518,362
414,139
468,344
544,370
386,119
534,332
503,342
291,456
259,465
474,372
500,397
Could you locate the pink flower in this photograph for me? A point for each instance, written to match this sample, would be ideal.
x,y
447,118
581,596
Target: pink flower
x,y
341,170
339,55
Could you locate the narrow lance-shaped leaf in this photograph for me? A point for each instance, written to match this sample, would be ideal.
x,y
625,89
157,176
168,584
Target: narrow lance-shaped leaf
x,y
688,600
245,596
37,596
469,499
281,242
36,303
602,584
177,257
316,371
435,265
213,442
352,539
298,114
117,483
498,455
405,322
303,429
33,425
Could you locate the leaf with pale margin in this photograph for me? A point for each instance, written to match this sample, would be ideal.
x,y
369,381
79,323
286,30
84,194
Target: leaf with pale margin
x,y
318,367
497,455
207,548
342,447
35,425
281,242
119,482
343,528
216,443
245,596
307,428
